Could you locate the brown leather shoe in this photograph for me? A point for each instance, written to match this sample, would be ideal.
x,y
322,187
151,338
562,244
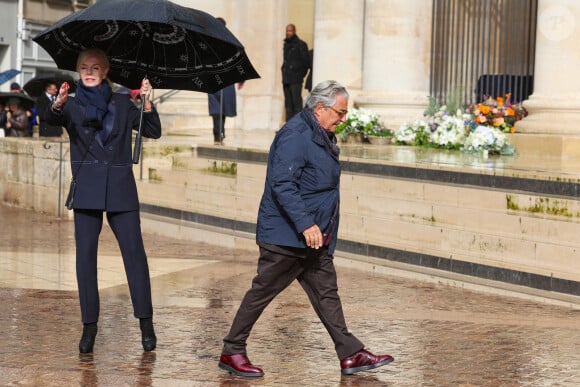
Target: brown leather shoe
x,y
362,361
240,365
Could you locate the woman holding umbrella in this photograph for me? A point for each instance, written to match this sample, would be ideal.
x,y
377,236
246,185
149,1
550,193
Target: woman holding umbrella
x,y
99,123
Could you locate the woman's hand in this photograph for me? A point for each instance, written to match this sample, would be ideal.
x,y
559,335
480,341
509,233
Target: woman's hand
x,y
145,92
62,96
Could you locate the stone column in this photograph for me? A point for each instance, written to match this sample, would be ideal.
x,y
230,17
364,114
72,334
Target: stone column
x,y
338,38
552,126
260,102
554,106
396,59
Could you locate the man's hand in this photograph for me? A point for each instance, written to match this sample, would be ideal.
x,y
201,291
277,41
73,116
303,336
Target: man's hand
x,y
313,237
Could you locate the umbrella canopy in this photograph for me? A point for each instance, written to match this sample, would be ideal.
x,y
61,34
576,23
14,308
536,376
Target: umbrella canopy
x,y
7,75
25,101
36,85
174,46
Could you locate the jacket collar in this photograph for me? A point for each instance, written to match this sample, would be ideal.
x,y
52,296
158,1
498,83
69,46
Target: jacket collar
x,y
319,135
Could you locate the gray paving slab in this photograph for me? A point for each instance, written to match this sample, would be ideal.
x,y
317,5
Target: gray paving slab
x,y
439,335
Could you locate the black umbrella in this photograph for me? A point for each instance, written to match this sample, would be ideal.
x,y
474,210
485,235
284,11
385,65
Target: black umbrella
x,y
36,85
174,46
25,101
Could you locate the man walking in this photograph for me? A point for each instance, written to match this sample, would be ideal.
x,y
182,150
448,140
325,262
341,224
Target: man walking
x,y
297,232
294,67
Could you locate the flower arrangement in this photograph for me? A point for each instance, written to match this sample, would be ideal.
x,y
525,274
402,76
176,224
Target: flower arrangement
x,y
478,128
364,123
442,129
487,138
499,113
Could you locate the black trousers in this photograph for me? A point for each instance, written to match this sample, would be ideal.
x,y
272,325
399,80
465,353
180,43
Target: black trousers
x,y
292,99
127,229
276,271
217,136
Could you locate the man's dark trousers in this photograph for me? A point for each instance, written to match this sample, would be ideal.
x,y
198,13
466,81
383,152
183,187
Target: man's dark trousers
x,y
292,99
276,270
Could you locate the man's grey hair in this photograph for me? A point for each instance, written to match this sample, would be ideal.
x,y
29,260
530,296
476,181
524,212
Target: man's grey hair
x,y
325,93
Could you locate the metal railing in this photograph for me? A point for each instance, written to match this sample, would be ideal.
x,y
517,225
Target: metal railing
x,y
482,47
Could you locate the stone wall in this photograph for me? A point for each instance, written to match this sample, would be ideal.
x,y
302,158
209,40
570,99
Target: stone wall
x,y
30,173
512,229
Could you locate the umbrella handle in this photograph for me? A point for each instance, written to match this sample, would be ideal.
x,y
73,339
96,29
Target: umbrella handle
x,y
138,138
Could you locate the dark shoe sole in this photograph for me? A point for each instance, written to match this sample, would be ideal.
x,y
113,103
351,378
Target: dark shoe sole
x,y
350,371
86,347
149,343
232,370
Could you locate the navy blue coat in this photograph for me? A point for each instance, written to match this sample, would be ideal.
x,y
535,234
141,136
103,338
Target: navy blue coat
x,y
302,187
104,171
229,102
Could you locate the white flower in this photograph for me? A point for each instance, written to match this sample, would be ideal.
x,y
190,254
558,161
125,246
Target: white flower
x,y
485,138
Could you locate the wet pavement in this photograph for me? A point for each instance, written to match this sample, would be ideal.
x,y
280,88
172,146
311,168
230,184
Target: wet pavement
x,y
439,335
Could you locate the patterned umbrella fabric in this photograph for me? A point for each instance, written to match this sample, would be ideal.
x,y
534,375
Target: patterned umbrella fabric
x,y
174,46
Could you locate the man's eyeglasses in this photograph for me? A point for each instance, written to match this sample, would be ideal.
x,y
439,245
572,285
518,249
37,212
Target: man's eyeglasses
x,y
341,113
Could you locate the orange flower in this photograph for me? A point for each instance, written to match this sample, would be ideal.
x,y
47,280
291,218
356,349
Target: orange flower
x,y
480,119
509,112
498,121
483,109
513,129
499,101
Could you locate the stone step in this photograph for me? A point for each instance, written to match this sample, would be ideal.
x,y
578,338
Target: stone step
x,y
184,112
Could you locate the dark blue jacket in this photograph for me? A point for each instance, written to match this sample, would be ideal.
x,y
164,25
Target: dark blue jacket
x,y
302,187
228,105
104,171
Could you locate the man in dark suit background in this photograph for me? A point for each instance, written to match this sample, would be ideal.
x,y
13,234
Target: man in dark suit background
x,y
42,104
294,68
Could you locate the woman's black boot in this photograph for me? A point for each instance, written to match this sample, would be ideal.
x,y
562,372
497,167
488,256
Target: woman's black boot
x,y
88,339
148,338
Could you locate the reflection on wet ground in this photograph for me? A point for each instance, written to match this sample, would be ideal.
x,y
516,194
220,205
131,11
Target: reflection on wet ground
x,y
439,335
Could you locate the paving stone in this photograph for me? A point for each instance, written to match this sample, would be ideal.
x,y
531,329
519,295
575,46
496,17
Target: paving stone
x,y
439,335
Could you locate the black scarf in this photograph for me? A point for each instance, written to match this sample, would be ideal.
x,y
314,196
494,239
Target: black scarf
x,y
94,99
328,137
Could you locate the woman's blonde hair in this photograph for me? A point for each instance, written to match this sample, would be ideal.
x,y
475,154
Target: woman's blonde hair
x,y
97,52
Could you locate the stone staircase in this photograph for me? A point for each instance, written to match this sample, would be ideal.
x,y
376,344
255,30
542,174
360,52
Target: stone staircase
x,y
183,113
177,178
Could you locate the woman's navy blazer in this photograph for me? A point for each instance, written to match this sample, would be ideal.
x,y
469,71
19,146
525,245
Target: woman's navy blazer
x,y
104,169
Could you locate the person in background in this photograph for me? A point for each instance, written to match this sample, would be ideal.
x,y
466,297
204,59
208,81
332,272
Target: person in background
x,y
100,124
15,88
222,104
43,103
3,112
16,119
294,67
30,113
297,232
